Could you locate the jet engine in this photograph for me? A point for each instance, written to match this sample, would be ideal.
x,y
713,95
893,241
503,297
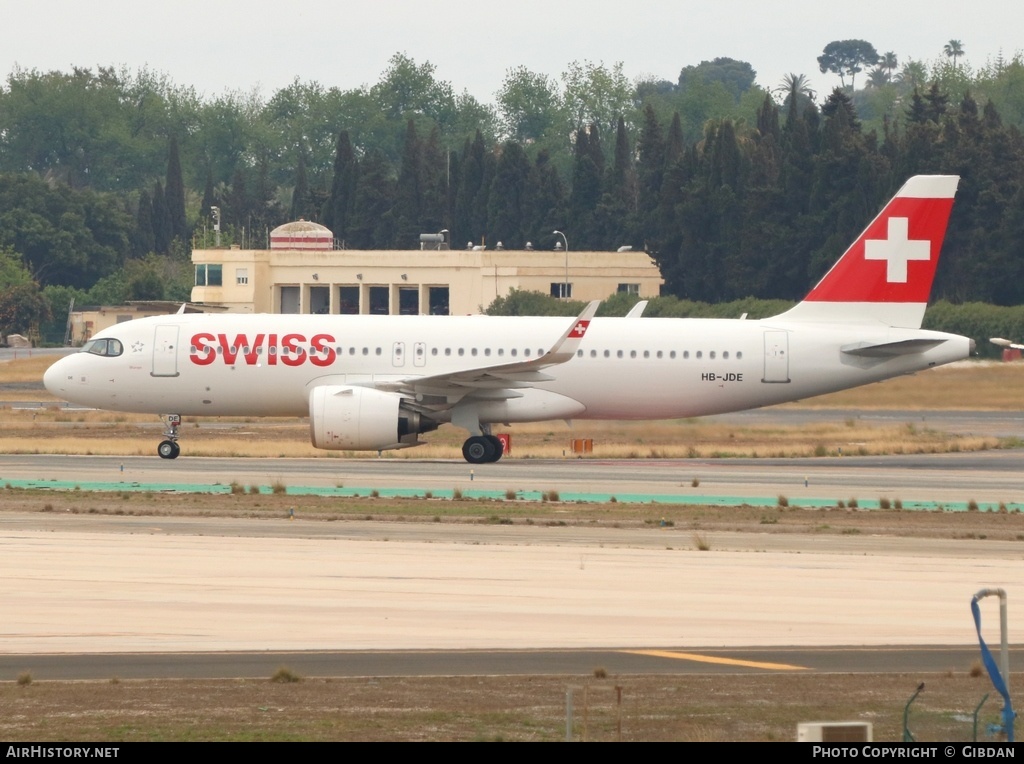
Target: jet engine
x,y
362,419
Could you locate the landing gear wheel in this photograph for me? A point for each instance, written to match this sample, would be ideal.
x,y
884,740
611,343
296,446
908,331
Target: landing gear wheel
x,y
479,450
168,449
499,448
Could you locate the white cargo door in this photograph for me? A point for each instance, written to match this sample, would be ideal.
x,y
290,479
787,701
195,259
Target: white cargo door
x,y
776,356
165,351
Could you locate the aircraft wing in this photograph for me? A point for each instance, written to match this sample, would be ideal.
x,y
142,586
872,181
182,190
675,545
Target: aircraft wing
x,y
498,381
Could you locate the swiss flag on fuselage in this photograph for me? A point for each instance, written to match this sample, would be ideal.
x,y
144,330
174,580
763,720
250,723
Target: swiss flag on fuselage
x,y
894,260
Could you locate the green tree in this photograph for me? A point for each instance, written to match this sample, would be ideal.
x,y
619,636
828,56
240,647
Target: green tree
x,y
64,236
22,309
847,58
529,105
737,77
595,94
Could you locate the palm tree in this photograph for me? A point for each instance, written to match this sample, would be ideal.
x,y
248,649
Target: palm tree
x,y
914,75
795,84
953,49
878,77
889,63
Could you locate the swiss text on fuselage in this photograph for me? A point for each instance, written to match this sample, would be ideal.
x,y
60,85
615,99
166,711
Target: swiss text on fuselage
x,y
291,349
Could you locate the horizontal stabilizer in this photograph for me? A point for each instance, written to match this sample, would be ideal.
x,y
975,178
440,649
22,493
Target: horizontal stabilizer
x,y
890,349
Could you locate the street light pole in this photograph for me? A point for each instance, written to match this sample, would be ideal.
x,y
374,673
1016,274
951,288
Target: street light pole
x,y
565,286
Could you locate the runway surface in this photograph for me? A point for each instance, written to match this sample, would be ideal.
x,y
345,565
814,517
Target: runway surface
x,y
951,479
95,596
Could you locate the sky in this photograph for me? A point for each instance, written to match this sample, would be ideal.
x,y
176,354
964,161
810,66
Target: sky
x,y
241,46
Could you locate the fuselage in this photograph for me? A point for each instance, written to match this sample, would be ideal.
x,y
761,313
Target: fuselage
x,y
624,368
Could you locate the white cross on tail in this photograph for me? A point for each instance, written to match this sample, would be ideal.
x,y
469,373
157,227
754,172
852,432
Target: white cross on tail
x,y
897,250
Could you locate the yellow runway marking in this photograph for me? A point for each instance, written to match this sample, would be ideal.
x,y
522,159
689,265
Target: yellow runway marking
x,y
711,659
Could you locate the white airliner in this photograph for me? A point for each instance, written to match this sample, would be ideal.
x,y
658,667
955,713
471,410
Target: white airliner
x,y
379,382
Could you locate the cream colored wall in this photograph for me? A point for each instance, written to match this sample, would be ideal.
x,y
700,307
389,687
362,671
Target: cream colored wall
x,y
474,279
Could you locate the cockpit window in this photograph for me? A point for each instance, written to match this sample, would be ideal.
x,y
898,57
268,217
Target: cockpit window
x,y
106,347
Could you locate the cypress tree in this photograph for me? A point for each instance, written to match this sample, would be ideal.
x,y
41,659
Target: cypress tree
x,y
174,194
507,198
343,186
162,232
408,194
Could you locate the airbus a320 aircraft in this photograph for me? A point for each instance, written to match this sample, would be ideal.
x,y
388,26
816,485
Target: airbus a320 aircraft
x,y
379,382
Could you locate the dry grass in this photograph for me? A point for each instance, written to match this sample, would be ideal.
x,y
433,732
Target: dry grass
x,y
752,706
684,520
966,385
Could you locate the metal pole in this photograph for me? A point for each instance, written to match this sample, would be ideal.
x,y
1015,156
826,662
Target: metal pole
x,y
565,285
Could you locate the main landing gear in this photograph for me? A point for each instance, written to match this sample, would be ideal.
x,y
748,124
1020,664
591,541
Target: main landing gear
x,y
482,449
169,448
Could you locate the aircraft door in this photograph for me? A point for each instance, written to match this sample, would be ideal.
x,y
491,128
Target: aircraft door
x,y
165,351
419,354
776,356
398,354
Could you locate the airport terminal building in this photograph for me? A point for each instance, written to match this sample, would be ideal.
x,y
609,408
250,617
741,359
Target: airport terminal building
x,y
304,272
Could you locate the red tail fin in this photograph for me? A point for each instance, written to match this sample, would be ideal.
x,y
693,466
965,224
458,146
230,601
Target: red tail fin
x,y
886,275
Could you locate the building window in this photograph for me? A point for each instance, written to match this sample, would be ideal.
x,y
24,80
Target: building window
x,y
208,275
629,289
241,276
348,300
437,296
561,290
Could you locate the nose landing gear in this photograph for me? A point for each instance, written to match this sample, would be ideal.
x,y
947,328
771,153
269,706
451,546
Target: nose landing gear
x,y
169,448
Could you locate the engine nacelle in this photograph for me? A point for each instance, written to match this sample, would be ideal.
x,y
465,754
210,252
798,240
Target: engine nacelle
x,y
362,419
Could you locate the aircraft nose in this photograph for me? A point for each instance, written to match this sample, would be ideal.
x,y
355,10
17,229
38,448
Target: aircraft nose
x,y
55,377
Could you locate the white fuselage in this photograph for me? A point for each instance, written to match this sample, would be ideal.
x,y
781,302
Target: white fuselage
x,y
624,368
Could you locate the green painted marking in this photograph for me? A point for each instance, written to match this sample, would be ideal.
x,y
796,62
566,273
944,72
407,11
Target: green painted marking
x,y
535,496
